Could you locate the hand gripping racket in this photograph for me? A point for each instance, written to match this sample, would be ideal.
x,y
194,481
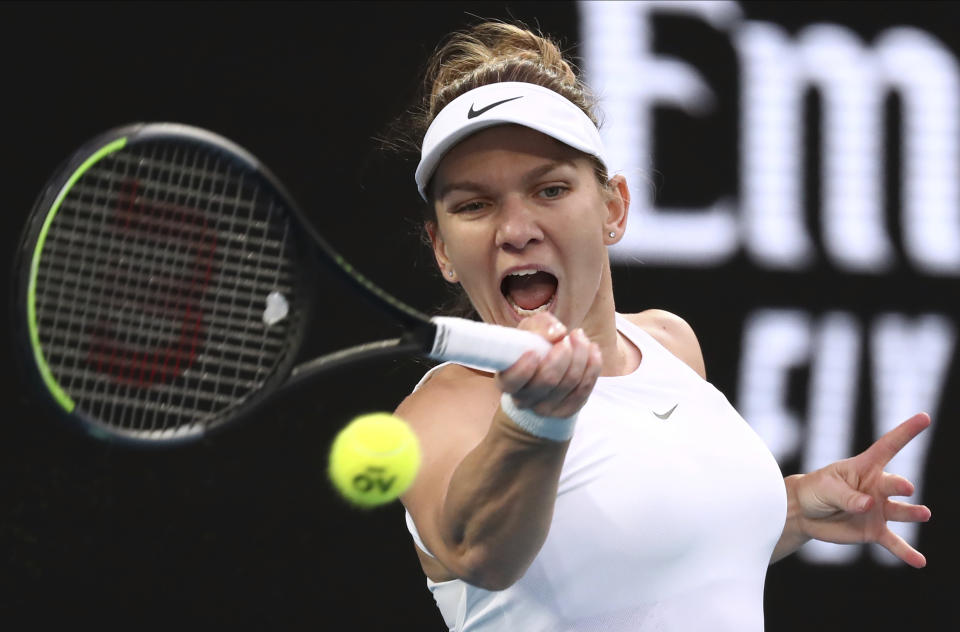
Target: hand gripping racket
x,y
165,282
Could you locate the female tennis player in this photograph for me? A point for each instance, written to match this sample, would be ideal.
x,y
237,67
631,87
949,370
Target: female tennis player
x,y
605,485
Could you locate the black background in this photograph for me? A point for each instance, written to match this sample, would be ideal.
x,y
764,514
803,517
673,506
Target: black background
x,y
242,531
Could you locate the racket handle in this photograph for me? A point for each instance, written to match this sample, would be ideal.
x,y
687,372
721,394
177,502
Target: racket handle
x,y
481,344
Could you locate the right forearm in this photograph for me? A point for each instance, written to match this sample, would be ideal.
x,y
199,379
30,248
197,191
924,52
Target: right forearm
x,y
497,496
499,504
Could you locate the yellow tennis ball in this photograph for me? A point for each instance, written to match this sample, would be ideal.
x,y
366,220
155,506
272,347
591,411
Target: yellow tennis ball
x,y
374,459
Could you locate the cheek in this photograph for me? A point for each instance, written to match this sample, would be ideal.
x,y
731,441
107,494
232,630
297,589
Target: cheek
x,y
588,253
461,247
584,233
469,258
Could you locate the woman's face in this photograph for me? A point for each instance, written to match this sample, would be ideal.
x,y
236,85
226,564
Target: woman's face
x,y
523,224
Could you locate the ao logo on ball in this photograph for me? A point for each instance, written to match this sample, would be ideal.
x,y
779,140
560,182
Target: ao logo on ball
x,y
374,459
373,478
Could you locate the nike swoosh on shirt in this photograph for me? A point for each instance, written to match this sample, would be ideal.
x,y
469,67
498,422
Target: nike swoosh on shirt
x,y
667,414
475,113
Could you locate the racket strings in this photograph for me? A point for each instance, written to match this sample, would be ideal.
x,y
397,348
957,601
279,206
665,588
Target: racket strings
x,y
165,254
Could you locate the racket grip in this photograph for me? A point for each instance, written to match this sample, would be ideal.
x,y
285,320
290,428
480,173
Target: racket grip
x,y
481,344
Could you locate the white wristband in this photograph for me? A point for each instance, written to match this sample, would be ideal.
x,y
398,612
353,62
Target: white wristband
x,y
553,428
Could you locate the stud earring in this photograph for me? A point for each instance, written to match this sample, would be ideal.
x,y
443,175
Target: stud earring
x,y
611,234
450,273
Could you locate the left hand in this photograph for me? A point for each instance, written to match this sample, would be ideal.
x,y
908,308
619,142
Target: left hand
x,y
849,501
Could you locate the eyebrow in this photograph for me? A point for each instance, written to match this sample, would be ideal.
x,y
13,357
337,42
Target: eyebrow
x,y
533,174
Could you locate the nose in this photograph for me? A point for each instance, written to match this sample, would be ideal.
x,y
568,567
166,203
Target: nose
x,y
519,225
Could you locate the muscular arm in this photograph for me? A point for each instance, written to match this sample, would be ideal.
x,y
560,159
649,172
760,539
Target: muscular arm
x,y
483,507
484,498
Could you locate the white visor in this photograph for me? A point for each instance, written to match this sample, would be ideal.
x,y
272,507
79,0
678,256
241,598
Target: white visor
x,y
514,102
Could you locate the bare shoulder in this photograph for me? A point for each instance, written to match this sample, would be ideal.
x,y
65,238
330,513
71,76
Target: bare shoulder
x,y
450,413
674,333
448,388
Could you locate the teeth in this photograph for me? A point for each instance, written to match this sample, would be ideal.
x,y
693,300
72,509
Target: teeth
x,y
523,273
531,312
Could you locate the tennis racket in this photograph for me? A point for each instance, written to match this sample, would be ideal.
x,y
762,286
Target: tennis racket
x,y
166,281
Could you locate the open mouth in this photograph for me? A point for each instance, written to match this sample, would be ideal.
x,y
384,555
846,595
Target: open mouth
x,y
529,291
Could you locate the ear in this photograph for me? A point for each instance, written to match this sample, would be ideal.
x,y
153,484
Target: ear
x,y
618,207
440,252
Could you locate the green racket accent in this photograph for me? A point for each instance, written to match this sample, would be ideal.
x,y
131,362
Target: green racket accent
x,y
375,289
58,393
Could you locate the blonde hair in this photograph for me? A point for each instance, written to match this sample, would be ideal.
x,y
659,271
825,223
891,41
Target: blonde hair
x,y
493,52
486,53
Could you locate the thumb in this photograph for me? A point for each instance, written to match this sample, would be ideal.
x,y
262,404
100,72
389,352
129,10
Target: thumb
x,y
546,325
826,491
857,502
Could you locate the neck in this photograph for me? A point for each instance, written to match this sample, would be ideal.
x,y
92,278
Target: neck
x,y
620,356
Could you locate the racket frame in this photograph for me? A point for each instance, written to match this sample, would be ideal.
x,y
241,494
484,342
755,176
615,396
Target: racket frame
x,y
469,342
310,244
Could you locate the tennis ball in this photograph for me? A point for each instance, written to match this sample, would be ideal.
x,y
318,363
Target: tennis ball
x,y
374,459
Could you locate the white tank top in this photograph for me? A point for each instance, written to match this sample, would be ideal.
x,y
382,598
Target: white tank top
x,y
668,509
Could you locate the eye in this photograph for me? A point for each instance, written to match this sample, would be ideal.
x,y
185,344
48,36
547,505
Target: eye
x,y
553,191
468,207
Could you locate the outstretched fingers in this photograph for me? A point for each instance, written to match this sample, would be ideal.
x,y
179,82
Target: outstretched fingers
x,y
899,547
895,485
898,511
887,446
